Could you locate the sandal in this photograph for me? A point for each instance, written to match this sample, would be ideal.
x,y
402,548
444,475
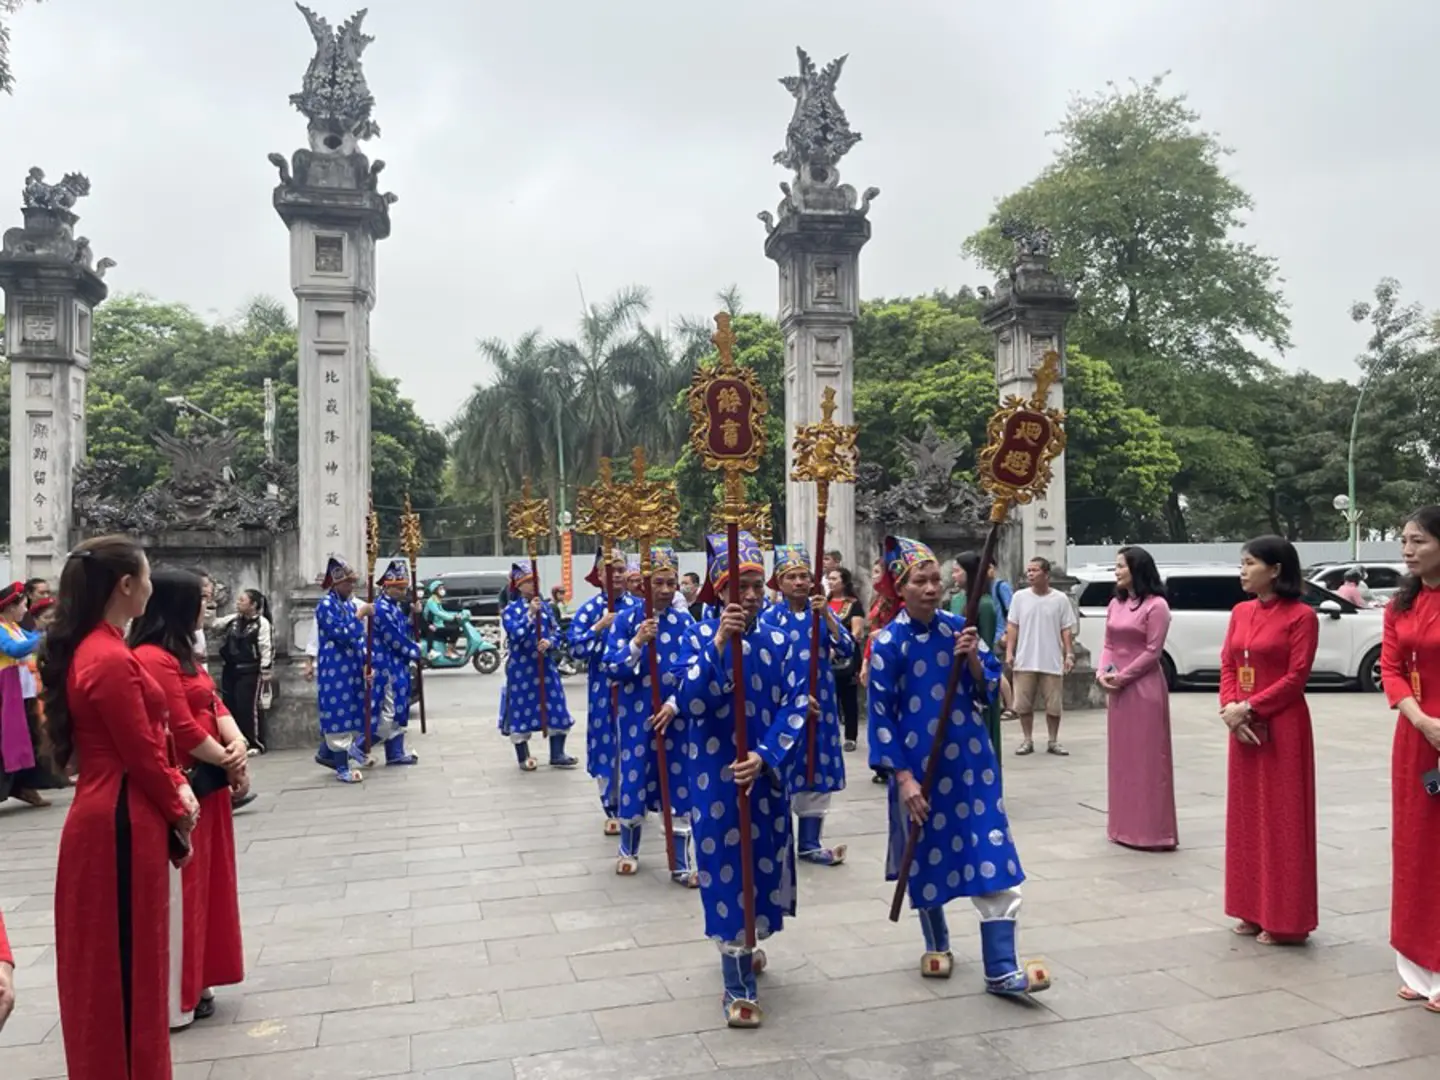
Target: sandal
x,y
759,961
825,856
1406,994
612,826
349,776
1026,747
1265,937
1245,928
627,866
1058,750
741,1013
937,965
529,766
686,878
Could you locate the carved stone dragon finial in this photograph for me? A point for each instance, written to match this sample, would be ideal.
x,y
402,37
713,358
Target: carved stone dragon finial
x,y
1032,242
334,96
62,196
819,135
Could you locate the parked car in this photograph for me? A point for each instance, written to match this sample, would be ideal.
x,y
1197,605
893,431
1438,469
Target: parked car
x,y
1382,579
480,593
1201,598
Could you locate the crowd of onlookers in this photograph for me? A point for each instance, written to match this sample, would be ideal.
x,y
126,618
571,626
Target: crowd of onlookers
x,y
104,687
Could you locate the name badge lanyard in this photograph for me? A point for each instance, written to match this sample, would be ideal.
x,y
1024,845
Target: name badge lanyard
x,y
1421,629
1246,674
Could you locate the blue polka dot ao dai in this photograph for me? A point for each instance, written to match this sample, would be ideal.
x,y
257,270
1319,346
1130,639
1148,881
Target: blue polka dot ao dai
x,y
965,847
520,705
587,645
340,666
830,759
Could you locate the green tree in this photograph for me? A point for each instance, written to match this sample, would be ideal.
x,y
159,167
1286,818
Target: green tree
x,y
7,7
145,352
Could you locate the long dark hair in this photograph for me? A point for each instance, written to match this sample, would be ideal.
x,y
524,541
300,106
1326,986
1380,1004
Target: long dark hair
x,y
88,581
1428,518
1278,552
170,617
262,606
847,583
1144,576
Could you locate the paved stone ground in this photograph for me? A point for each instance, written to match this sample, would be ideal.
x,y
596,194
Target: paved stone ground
x,y
462,920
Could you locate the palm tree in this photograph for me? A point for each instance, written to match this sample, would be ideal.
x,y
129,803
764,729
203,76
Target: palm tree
x,y
597,367
505,430
655,413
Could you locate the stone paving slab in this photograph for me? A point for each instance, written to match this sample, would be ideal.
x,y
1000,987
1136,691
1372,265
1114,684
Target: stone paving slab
x,y
461,919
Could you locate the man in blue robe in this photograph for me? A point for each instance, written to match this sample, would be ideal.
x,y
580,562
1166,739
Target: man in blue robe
x,y
589,631
531,631
395,650
719,776
965,848
793,576
340,672
639,725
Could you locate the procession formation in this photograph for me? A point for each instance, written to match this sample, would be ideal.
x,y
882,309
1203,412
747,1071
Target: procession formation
x,y
725,722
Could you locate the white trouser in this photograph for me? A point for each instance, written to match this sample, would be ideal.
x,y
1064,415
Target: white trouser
x,y
810,803
177,948
387,729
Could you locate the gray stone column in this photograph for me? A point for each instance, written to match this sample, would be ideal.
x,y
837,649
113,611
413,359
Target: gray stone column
x,y
51,289
1027,314
329,198
822,225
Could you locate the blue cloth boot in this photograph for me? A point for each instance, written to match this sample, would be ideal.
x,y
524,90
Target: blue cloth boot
x,y
739,973
395,751
935,929
1003,973
522,752
630,840
558,758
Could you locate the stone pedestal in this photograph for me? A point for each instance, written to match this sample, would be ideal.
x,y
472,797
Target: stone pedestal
x,y
51,290
819,257
1027,316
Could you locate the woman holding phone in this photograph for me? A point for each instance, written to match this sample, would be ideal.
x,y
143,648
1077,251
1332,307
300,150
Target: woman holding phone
x,y
1270,873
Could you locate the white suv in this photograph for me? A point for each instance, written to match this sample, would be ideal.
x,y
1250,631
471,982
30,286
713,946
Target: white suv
x,y
1201,598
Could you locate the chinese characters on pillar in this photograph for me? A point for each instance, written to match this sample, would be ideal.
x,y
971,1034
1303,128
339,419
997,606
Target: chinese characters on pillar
x,y
42,479
332,455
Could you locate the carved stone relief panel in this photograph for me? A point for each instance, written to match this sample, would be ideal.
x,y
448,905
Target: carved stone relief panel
x,y
329,254
330,325
827,281
827,354
39,324
40,386
82,329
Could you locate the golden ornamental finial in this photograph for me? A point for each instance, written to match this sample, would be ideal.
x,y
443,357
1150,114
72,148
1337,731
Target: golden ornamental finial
x,y
411,538
827,404
637,464
724,340
1046,375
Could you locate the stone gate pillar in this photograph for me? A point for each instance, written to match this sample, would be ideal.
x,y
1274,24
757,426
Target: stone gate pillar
x,y
329,198
816,242
1027,315
52,286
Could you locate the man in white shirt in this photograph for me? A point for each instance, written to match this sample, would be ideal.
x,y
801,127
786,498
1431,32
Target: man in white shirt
x,y
1040,649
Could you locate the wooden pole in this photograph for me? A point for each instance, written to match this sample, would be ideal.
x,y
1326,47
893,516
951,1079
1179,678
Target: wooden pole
x,y
817,623
533,552
411,540
662,764
372,551
742,740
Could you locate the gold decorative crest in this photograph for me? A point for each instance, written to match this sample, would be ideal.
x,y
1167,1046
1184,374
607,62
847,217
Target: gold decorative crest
x,y
727,408
411,539
528,519
1022,438
651,507
372,537
599,508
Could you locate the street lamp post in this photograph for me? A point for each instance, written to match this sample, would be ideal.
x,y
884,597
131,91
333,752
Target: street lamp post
x,y
1351,513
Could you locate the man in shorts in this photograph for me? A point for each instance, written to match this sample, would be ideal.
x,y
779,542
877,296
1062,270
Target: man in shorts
x,y
1040,650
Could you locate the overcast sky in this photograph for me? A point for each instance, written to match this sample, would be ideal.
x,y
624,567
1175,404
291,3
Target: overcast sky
x,y
631,142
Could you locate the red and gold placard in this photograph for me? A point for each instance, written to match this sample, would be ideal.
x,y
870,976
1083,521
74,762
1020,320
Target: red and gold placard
x,y
727,409
1023,438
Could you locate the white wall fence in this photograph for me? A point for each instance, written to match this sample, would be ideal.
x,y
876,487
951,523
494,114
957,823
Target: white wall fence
x,y
1311,552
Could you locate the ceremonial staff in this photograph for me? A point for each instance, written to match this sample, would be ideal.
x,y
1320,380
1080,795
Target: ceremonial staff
x,y
653,510
599,511
1022,438
529,519
411,541
372,552
727,432
825,453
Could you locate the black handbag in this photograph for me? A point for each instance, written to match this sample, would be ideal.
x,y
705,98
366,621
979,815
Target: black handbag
x,y
206,779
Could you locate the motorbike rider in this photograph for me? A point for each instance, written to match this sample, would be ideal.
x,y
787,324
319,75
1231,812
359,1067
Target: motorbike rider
x,y
441,625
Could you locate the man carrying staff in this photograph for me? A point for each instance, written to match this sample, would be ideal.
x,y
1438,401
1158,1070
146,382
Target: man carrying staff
x,y
395,651
794,578
531,630
964,846
639,725
340,663
719,776
589,631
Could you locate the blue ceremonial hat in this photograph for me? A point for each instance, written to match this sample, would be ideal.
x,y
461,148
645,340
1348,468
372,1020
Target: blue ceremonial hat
x,y
519,571
337,570
900,555
397,573
663,557
717,551
789,557
596,576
